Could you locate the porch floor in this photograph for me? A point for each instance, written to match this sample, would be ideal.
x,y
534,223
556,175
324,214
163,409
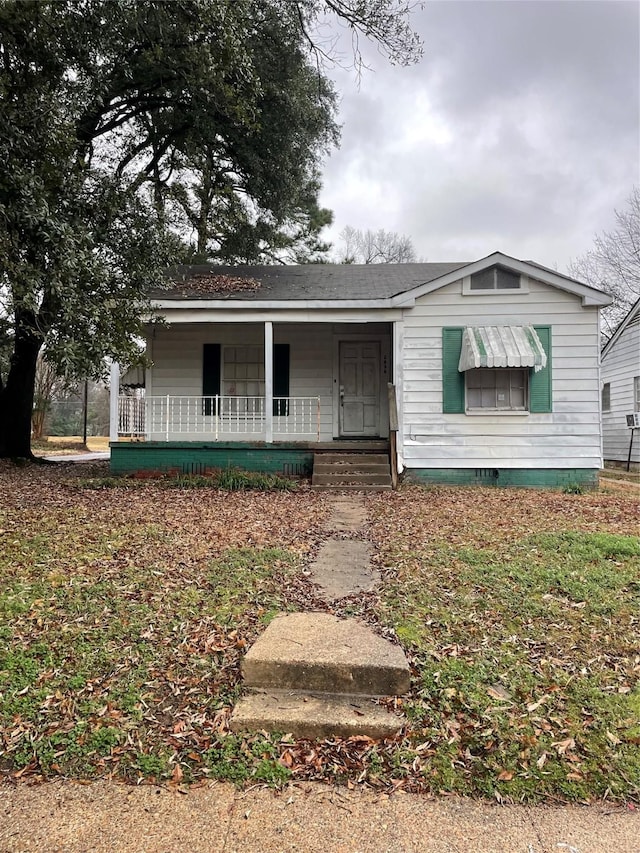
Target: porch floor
x,y
352,445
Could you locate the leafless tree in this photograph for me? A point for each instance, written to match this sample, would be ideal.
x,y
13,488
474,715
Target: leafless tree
x,y
375,247
48,384
613,264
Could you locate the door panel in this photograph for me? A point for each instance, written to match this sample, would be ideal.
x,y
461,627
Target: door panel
x,y
359,388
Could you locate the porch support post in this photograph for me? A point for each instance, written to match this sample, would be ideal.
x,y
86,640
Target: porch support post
x,y
268,381
114,391
398,381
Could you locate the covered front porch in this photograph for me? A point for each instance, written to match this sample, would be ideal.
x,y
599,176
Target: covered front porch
x,y
259,395
249,381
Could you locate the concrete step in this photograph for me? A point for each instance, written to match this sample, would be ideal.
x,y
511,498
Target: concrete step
x,y
351,458
306,715
319,653
340,470
341,467
363,487
335,478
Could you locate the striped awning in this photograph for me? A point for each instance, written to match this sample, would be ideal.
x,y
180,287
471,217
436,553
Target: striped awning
x,y
133,378
501,346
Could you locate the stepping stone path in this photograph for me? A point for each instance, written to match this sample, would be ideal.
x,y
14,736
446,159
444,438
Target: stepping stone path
x,y
343,567
314,675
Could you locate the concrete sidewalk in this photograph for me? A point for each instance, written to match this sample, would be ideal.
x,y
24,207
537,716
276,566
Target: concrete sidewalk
x,y
65,817
89,456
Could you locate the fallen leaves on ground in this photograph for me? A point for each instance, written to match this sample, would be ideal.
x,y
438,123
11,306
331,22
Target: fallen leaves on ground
x,y
125,613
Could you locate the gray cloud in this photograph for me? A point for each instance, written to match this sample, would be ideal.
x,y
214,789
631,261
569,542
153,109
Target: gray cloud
x,y
519,130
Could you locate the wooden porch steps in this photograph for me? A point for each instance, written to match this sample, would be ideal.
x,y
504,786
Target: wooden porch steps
x,y
351,471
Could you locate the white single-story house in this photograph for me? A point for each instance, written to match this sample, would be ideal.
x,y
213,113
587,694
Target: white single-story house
x,y
621,392
482,372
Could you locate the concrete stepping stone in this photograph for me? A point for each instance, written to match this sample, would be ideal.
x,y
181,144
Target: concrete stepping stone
x,y
343,567
307,715
321,653
314,675
349,515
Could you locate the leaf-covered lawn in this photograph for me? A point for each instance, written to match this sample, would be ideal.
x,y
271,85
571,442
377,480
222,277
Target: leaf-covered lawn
x,y
522,613
124,614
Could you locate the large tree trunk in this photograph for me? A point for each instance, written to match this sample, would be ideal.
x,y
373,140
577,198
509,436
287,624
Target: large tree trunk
x,y
16,398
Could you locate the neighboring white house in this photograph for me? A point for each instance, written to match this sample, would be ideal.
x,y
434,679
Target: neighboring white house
x,y
495,366
620,374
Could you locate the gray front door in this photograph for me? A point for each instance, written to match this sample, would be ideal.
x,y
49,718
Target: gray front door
x,y
359,388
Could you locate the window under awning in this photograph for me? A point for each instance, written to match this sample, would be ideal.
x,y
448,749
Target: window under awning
x,y
501,346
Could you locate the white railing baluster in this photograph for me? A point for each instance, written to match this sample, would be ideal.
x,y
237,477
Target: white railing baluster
x,y
217,416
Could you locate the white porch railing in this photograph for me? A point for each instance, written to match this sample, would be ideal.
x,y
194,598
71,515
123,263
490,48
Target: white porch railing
x,y
215,418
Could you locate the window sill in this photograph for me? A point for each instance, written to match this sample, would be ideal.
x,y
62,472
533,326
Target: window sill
x,y
483,413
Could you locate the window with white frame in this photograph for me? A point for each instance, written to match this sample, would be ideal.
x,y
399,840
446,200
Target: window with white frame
x,y
606,397
495,278
243,376
636,393
497,389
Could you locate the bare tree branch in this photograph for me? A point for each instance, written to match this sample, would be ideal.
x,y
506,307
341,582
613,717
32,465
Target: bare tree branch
x,y
375,247
613,265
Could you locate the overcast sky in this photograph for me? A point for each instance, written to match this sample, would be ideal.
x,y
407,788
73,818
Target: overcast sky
x,y
518,131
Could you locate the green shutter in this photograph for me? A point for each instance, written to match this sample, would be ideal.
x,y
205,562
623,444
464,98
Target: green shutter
x,y
280,378
540,382
210,375
452,379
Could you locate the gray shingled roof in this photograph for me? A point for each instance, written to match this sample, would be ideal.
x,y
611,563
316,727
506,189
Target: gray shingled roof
x,y
306,282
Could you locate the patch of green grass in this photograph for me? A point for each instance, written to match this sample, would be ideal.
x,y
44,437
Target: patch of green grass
x,y
73,752
244,578
587,546
234,758
227,479
573,489
521,650
234,479
152,766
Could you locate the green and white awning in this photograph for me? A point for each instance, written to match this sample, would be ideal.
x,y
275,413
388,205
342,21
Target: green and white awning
x,y
501,346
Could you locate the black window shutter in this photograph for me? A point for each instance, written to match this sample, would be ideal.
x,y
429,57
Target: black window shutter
x,y
210,376
281,378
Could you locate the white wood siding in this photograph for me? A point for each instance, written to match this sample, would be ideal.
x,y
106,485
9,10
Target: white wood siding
x,y
619,366
567,437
